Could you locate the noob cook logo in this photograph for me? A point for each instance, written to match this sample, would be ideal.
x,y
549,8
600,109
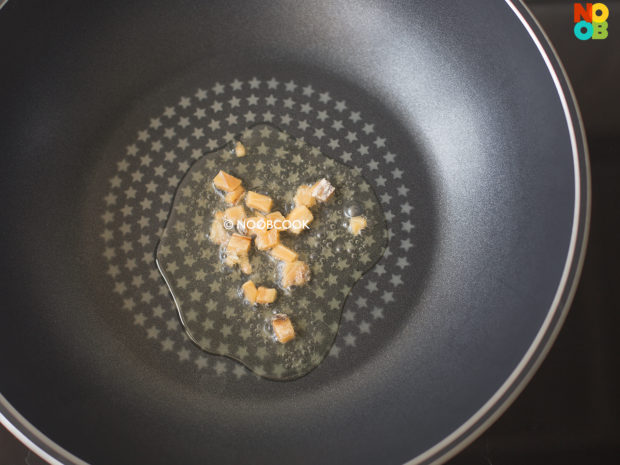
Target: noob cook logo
x,y
591,21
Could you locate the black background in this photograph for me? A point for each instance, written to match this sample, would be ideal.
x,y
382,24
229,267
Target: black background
x,y
570,411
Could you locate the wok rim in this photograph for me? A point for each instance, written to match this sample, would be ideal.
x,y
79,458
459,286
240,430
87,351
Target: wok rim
x,y
486,415
503,398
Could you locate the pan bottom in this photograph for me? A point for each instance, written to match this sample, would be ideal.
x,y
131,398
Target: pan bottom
x,y
171,133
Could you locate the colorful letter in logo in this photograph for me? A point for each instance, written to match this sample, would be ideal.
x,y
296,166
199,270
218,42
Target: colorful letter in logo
x,y
591,21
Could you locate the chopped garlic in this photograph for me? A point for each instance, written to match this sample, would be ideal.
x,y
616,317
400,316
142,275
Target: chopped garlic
x,y
304,196
226,182
234,196
297,217
283,328
240,149
295,274
239,245
322,190
282,252
266,295
218,233
255,224
266,240
249,291
275,220
356,224
258,201
235,214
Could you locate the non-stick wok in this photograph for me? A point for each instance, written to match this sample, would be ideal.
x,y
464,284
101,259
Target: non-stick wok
x,y
457,113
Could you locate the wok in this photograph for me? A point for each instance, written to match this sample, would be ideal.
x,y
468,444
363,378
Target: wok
x,y
458,114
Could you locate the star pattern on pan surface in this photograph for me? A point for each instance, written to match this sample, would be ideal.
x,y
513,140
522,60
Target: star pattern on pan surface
x,y
239,330
141,191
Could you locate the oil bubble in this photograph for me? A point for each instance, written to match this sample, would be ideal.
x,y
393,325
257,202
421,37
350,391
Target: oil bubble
x,y
352,208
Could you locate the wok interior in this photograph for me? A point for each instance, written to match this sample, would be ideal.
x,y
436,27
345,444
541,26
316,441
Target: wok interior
x,y
483,141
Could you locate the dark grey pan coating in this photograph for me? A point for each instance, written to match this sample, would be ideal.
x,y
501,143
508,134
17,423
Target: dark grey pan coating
x,y
457,114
